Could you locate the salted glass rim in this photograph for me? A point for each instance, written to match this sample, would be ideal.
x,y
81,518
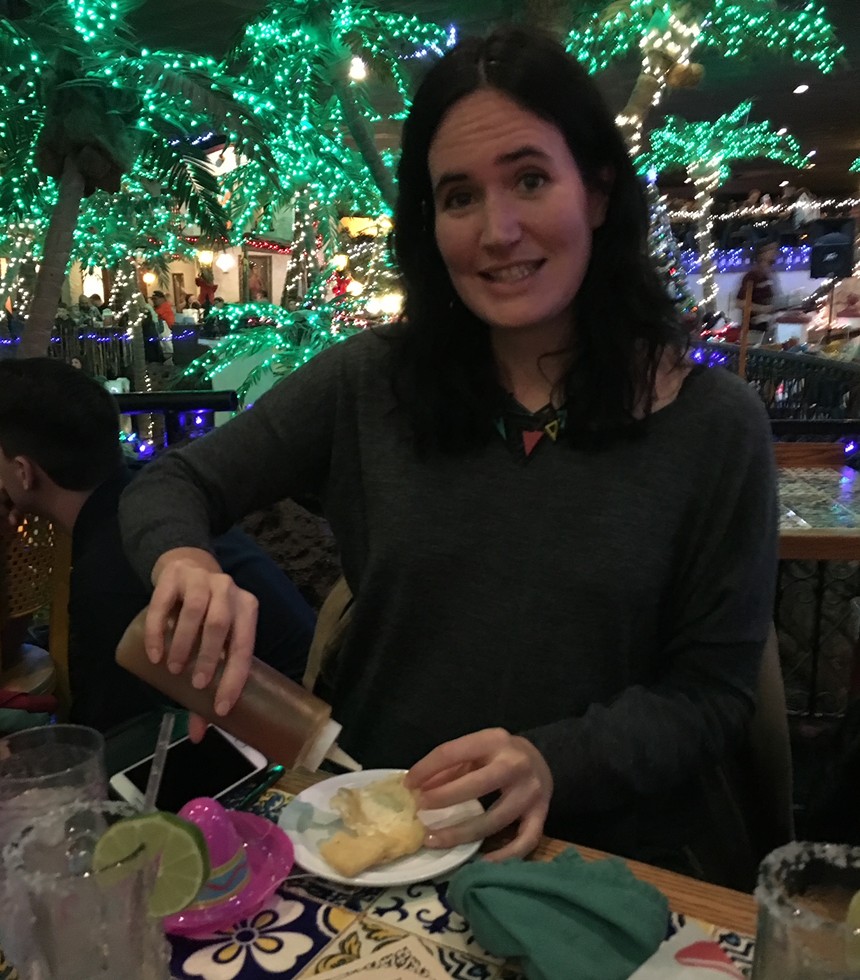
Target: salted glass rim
x,y
12,854
96,736
772,896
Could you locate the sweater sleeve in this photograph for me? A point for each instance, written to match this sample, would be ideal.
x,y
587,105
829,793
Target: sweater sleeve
x,y
650,738
278,447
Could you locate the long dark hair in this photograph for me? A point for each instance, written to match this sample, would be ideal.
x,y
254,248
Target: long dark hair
x,y
444,370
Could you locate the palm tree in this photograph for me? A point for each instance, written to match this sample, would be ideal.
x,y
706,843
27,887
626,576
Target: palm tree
x,y
705,150
288,338
83,105
670,32
308,58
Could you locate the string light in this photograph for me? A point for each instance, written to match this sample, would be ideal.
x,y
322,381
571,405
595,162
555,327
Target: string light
x,y
768,212
298,58
669,32
156,110
665,252
705,149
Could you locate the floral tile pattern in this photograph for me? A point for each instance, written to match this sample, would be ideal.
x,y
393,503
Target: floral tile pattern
x,y
278,941
466,967
739,948
355,899
361,939
423,910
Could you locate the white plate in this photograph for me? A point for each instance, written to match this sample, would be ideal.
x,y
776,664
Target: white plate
x,y
309,820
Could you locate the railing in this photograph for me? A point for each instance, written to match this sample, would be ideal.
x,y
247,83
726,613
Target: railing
x,y
175,406
792,386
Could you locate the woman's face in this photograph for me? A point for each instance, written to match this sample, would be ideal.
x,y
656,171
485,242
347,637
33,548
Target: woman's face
x,y
514,219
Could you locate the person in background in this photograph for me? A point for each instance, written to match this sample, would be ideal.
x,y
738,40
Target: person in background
x,y
560,534
762,279
89,314
143,311
73,474
805,209
163,308
167,321
216,323
99,303
208,287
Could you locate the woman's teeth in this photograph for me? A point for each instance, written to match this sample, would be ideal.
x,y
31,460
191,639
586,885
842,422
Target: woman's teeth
x,y
513,273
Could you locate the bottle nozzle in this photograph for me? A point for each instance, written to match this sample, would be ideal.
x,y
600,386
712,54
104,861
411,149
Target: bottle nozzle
x,y
336,754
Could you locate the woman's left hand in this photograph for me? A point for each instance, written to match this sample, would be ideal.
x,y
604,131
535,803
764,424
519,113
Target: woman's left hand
x,y
484,762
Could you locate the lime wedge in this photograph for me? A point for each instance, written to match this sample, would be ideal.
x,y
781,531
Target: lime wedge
x,y
852,921
183,858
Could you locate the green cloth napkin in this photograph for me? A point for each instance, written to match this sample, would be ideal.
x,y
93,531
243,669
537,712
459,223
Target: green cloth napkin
x,y
562,918
16,720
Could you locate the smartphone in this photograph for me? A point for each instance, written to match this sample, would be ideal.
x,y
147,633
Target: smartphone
x,y
213,767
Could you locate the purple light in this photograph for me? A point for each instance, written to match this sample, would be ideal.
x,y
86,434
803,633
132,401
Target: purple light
x,y
789,259
850,447
199,420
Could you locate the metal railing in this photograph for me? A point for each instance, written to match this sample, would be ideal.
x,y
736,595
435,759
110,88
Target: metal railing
x,y
792,386
173,405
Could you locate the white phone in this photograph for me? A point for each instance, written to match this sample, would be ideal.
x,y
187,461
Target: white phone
x,y
213,767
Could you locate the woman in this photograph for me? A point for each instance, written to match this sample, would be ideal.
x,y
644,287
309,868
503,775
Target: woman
x,y
763,284
560,539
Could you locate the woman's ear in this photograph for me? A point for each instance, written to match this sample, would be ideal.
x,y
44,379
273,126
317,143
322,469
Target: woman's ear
x,y
598,197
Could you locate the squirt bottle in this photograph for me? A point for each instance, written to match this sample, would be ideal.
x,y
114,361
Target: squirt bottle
x,y
273,714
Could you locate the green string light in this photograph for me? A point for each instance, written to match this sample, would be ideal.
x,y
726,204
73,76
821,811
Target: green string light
x,y
705,150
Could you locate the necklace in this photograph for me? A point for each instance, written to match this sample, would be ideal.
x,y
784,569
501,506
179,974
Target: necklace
x,y
523,430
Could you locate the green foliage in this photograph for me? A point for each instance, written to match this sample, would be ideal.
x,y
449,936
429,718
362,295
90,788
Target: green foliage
x,y
705,149
74,82
288,338
734,28
296,56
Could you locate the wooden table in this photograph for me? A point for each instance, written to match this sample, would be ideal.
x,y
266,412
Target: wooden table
x,y
720,906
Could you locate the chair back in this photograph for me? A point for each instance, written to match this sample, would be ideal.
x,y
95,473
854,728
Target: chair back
x,y
25,570
749,796
35,560
772,815
332,622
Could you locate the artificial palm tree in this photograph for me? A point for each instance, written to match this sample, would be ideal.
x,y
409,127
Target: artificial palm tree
x,y
309,59
670,32
288,338
83,105
705,150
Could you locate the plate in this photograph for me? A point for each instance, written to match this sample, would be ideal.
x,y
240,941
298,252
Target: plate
x,y
309,819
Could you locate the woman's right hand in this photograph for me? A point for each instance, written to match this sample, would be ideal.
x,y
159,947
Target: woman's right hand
x,y
206,604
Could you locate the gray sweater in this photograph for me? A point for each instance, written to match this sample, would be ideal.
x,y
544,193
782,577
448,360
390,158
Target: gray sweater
x,y
611,606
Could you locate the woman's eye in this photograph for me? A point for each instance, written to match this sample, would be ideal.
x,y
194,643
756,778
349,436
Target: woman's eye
x,y
532,182
458,200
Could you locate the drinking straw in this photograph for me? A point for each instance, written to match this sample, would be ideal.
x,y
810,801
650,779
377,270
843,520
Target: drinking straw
x,y
157,769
